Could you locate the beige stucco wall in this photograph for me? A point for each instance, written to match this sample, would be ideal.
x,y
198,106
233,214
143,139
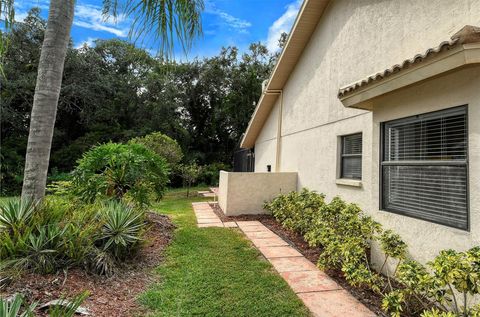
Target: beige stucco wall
x,y
426,239
245,193
353,40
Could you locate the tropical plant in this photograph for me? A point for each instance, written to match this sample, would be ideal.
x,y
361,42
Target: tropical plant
x,y
170,19
122,229
128,172
15,213
13,308
162,145
65,308
57,235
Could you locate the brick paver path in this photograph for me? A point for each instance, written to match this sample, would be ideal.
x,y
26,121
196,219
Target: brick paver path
x,y
322,295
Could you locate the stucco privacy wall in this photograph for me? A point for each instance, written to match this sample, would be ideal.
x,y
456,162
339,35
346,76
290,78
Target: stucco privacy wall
x,y
353,40
245,193
426,239
266,144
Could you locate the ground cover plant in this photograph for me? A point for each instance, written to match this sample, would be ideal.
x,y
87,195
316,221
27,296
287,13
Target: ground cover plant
x,y
215,272
447,286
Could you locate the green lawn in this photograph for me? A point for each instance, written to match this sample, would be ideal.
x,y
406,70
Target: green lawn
x,y
215,272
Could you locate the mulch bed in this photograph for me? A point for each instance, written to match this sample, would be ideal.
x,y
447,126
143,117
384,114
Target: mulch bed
x,y
369,298
114,296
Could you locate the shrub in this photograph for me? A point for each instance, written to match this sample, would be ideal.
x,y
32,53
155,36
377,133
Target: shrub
x,y
345,234
125,172
297,211
161,145
447,286
121,229
450,282
51,237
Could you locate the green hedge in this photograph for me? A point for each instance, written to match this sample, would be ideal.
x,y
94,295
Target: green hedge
x,y
447,286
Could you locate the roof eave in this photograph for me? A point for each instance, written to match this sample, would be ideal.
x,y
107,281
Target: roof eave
x,y
303,27
451,60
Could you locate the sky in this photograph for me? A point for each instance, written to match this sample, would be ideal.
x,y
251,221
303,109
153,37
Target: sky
x,y
225,23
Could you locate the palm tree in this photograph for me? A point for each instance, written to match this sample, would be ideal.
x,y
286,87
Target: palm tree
x,y
169,20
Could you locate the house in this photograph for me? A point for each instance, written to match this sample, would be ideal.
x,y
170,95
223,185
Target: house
x,y
403,143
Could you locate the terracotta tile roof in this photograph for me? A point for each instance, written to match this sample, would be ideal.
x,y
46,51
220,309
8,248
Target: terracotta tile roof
x,y
468,34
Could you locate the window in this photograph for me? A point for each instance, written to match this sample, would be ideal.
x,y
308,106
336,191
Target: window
x,y
351,156
424,167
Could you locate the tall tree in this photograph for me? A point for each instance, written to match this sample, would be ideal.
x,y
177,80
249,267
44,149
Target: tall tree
x,y
168,18
45,99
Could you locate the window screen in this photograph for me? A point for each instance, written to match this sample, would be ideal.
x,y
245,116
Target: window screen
x,y
424,167
351,160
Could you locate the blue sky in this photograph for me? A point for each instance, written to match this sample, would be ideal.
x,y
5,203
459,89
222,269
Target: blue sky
x,y
225,22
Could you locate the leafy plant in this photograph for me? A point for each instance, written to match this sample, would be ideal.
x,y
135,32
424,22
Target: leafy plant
x,y
162,145
210,173
13,308
127,172
449,283
189,174
15,213
121,230
68,308
297,211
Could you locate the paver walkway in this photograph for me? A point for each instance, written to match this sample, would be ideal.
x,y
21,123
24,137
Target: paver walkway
x,y
322,295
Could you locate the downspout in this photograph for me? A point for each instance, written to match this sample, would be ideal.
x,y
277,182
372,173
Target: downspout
x,y
279,127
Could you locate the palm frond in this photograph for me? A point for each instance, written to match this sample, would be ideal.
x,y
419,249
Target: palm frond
x,y
168,21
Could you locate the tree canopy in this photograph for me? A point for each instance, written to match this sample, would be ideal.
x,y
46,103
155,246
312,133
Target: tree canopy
x,y
115,91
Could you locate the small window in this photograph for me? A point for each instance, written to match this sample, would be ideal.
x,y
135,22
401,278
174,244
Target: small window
x,y
351,156
424,167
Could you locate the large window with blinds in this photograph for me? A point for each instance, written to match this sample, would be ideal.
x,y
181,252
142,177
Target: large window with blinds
x,y
351,156
424,167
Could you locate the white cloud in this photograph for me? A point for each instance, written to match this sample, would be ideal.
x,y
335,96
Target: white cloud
x,y
90,41
86,16
20,16
282,24
234,23
91,17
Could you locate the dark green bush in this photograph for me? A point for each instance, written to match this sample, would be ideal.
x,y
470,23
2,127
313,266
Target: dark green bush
x,y
209,174
128,172
162,145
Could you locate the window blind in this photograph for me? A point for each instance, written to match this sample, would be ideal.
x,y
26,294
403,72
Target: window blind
x,y
351,156
424,167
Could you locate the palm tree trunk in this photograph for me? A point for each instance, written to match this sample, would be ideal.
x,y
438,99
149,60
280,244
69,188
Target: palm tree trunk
x,y
45,100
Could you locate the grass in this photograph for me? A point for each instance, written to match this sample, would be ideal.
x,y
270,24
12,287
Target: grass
x,y
215,272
